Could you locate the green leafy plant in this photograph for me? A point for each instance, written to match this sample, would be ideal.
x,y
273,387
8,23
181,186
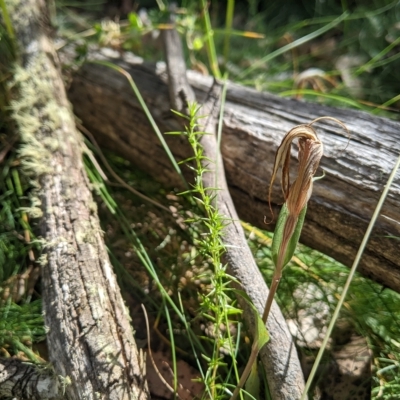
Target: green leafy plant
x,y
217,305
20,327
21,323
216,300
266,63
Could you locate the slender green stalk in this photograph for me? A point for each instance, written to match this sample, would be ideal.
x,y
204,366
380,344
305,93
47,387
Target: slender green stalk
x,y
216,305
220,124
350,277
230,8
212,53
173,347
17,183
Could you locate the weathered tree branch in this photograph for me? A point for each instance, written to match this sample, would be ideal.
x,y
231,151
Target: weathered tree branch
x,y
279,356
254,124
90,339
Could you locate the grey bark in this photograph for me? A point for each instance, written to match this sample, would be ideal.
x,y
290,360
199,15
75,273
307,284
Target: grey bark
x,y
279,356
254,124
90,340
28,381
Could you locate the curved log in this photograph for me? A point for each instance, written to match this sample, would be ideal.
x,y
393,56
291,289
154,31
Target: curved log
x,y
254,123
90,340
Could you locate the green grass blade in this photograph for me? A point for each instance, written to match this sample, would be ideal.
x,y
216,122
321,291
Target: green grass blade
x,y
210,45
329,96
148,114
370,64
7,20
173,347
228,26
293,45
387,104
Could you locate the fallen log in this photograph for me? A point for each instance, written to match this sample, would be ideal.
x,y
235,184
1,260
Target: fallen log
x,y
90,340
253,126
23,380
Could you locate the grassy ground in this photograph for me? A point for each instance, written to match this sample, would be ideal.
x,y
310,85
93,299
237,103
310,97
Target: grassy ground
x,y
344,54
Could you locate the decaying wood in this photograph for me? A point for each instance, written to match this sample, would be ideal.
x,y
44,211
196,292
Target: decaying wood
x,y
279,356
90,340
24,380
254,124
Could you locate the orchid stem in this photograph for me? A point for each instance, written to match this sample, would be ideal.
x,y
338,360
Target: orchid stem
x,y
255,348
247,369
274,286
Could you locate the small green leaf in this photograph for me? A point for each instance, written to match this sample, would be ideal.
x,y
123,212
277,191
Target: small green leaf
x,y
278,235
262,335
252,385
135,21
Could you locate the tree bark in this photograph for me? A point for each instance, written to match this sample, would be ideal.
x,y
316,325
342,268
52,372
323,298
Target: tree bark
x,y
254,123
279,356
90,339
28,381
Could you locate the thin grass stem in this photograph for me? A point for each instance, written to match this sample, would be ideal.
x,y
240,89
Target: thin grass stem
x,y
228,26
210,45
173,347
220,126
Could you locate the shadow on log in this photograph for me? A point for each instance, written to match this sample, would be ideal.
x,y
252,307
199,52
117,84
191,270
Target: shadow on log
x,y
254,124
